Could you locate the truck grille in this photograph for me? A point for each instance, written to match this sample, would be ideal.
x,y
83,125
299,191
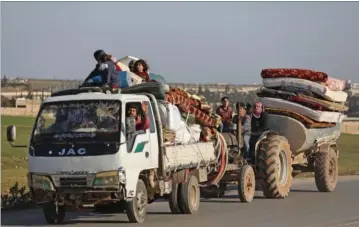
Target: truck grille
x,y
73,181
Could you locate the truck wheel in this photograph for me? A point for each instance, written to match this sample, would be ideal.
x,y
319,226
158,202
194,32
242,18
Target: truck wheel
x,y
174,199
190,195
246,184
326,171
136,209
52,215
275,167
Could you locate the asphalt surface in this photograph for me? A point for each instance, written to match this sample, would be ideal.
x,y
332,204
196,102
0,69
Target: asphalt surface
x,y
305,207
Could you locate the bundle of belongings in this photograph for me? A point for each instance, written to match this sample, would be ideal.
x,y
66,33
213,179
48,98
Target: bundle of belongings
x,y
185,118
313,98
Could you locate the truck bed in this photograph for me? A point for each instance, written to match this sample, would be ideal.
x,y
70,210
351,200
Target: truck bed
x,y
187,156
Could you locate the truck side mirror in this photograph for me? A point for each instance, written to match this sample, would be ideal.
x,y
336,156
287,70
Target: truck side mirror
x,y
11,133
11,136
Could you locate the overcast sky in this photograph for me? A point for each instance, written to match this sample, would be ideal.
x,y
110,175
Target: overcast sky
x,y
189,42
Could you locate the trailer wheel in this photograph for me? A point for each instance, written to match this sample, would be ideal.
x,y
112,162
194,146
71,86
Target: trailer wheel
x,y
136,209
53,216
326,171
190,195
275,166
246,184
174,199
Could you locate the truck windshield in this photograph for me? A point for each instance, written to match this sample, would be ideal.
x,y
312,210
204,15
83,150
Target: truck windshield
x,y
78,119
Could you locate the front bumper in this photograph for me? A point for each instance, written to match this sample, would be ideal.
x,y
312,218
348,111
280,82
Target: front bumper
x,y
78,190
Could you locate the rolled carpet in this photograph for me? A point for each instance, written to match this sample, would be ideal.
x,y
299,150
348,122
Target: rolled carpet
x,y
320,77
295,73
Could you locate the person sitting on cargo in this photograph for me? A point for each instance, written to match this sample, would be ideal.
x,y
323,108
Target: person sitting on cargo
x,y
225,111
141,69
246,126
105,72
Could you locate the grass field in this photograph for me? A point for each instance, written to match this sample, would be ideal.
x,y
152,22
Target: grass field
x,y
14,163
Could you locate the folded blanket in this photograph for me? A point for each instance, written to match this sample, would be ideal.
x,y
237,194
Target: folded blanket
x,y
311,102
336,84
309,123
308,86
325,104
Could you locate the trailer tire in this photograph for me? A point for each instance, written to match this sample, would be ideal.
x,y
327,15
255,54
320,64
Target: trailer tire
x,y
326,171
246,184
136,209
190,195
275,152
52,216
174,199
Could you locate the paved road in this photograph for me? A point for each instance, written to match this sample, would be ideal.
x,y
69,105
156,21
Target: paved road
x,y
305,207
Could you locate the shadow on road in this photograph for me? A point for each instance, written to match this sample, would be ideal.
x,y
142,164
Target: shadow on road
x,y
303,190
227,199
76,221
35,218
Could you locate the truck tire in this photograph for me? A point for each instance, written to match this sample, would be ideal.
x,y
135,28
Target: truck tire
x,y
326,171
174,199
52,216
246,184
190,195
136,209
275,166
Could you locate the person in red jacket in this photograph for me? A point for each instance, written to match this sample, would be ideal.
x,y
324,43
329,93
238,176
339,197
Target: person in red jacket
x,y
226,112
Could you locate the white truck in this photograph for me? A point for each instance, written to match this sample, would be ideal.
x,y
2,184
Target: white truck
x,y
81,155
84,153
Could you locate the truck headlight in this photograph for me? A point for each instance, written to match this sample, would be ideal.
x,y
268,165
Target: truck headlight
x,y
40,182
109,178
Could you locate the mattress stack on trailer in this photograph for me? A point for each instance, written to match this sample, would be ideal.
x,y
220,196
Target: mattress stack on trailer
x,y
313,98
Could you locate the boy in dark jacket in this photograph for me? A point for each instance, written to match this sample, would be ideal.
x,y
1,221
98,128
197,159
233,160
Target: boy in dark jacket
x,y
246,126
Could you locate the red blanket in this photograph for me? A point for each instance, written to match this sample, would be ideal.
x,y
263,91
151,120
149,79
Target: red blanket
x,y
295,73
319,77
